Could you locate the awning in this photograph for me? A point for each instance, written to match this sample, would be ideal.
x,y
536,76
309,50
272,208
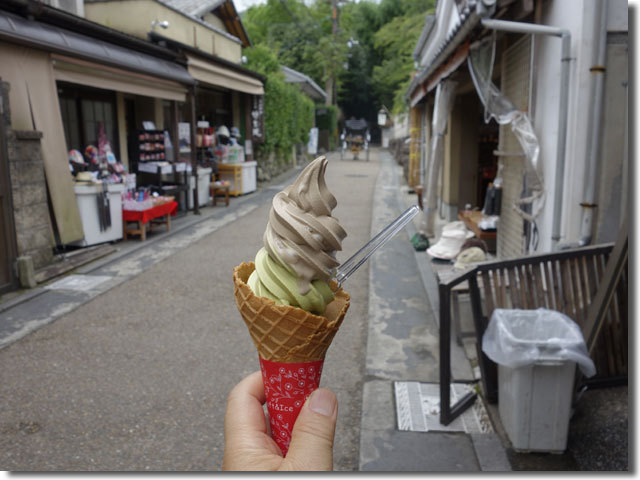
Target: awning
x,y
207,72
110,78
19,30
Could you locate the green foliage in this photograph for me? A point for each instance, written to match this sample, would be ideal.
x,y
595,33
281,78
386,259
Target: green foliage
x,y
261,59
395,41
375,70
327,118
293,32
288,113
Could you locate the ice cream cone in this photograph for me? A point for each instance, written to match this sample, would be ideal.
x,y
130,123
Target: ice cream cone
x,y
291,344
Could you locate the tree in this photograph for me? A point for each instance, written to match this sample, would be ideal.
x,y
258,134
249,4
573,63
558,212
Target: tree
x,y
395,42
375,70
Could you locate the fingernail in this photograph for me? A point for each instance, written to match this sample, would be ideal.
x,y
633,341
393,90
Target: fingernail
x,y
323,401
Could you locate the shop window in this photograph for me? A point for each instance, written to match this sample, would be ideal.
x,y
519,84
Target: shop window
x,y
70,121
83,110
214,106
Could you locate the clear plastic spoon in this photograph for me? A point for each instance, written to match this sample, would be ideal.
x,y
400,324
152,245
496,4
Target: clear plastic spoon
x,y
345,270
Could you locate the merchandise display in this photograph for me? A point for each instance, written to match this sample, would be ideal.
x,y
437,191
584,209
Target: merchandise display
x,y
151,145
155,170
100,161
287,297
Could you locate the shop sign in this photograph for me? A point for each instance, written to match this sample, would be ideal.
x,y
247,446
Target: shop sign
x,y
312,146
184,137
257,119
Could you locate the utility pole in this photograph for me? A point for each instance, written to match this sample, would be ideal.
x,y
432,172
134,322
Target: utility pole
x,y
331,80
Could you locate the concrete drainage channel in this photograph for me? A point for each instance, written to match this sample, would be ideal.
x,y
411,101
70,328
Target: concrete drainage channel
x,y
400,428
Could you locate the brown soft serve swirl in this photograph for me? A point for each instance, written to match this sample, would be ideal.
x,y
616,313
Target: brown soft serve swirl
x,y
301,233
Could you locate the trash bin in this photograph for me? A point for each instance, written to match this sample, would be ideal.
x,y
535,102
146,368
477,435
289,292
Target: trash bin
x,y
536,352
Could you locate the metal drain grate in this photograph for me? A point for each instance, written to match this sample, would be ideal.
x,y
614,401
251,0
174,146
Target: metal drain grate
x,y
418,409
79,283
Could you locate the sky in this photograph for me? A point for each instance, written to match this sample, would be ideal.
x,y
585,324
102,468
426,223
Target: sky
x,y
242,5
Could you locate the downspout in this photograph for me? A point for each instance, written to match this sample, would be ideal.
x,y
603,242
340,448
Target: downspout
x,y
598,70
565,58
194,158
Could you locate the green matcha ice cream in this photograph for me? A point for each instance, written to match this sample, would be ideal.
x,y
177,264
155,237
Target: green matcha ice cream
x,y
300,243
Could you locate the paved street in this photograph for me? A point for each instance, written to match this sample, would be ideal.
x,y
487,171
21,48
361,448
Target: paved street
x,y
136,378
132,373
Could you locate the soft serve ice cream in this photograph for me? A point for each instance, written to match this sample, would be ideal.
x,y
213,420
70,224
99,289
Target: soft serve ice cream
x,y
286,299
300,242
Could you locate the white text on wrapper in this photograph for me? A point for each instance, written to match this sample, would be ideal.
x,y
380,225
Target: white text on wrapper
x,y
276,407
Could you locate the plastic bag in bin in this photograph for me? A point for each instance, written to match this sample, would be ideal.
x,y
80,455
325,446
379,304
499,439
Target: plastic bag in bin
x,y
517,338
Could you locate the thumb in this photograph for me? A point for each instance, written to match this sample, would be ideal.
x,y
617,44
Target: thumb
x,y
311,445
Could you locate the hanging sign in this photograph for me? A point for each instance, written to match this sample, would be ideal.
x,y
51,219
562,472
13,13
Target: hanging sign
x,y
257,119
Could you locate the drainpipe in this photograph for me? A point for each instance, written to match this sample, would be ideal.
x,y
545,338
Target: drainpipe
x,y
598,71
194,158
565,58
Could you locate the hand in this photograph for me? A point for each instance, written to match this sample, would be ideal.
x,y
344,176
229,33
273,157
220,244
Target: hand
x,y
248,445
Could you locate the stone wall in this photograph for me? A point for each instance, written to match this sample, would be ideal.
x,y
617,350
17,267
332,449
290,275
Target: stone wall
x,y
272,165
34,234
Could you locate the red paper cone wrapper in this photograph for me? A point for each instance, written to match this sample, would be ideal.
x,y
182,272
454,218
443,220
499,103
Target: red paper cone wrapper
x,y
287,386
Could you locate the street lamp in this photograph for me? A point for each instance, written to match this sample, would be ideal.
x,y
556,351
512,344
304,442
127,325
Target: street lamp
x,y
164,24
382,117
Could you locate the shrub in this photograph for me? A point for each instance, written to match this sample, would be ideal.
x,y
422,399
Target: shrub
x,y
288,113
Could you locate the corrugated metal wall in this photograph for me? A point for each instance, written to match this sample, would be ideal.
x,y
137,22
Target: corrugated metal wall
x,y
515,85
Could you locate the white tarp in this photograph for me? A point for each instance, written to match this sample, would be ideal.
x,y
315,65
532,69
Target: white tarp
x,y
500,108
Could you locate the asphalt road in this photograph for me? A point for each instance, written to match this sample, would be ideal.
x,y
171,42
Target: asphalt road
x,y
136,378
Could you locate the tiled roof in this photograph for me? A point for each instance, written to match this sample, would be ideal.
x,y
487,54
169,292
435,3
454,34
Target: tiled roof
x,y
307,83
469,18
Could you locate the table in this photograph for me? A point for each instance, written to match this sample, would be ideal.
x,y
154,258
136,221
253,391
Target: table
x,y
150,216
471,218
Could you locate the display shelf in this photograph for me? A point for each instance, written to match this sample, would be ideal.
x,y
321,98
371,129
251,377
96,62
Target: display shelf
x,y
150,146
169,178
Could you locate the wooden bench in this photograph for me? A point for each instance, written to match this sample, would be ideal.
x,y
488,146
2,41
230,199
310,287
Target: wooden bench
x,y
219,191
588,284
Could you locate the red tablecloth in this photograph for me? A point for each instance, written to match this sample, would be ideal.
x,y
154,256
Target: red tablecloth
x,y
150,213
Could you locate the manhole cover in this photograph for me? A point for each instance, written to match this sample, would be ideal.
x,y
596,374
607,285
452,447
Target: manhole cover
x,y
79,283
418,409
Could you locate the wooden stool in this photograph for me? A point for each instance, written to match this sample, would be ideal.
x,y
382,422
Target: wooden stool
x,y
219,190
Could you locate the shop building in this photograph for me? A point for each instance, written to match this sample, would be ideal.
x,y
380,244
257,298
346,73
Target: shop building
x,y
530,98
71,82
208,37
65,79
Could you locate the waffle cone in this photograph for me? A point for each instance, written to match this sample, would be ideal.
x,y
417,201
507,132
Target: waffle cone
x,y
283,333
